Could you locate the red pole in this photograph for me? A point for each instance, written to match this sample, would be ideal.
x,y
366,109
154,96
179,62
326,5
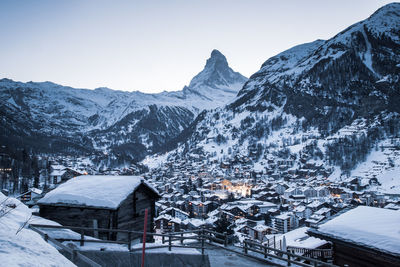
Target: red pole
x,y
144,236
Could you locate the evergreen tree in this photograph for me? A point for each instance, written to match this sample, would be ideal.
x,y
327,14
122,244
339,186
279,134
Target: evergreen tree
x,y
222,225
36,173
48,172
190,184
231,197
200,182
185,189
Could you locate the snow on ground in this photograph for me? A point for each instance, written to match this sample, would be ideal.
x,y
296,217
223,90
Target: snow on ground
x,y
299,238
336,175
56,233
221,257
25,248
155,161
88,246
174,250
191,251
384,165
94,190
369,226
390,182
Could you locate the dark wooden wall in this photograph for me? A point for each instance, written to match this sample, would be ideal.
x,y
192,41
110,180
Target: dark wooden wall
x,y
81,217
357,257
132,210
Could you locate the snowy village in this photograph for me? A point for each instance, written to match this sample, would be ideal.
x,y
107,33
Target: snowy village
x,y
297,164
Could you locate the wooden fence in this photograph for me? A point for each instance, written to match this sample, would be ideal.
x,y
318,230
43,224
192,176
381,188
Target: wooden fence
x,y
287,256
322,254
74,254
201,235
311,253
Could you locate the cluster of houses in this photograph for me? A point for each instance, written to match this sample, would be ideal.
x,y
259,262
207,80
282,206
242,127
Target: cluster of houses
x,y
312,224
278,197
196,192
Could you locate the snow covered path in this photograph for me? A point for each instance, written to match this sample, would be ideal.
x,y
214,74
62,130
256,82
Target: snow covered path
x,y
222,257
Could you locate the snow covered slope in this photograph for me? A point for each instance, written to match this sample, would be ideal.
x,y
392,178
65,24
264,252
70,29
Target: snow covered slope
x,y
382,167
216,82
325,103
357,66
55,118
23,247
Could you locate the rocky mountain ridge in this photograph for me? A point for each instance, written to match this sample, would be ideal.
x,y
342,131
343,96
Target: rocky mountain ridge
x,y
328,103
57,119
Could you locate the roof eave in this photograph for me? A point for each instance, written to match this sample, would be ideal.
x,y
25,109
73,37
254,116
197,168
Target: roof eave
x,y
356,245
67,205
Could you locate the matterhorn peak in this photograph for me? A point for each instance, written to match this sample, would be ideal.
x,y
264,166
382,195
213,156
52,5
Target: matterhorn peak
x,y
216,73
217,56
216,53
216,60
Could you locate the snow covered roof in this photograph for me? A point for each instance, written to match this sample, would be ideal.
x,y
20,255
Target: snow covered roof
x,y
299,209
163,216
213,213
321,211
95,191
211,220
392,206
366,226
57,167
314,204
264,205
299,238
261,227
176,210
283,216
57,172
36,191
195,222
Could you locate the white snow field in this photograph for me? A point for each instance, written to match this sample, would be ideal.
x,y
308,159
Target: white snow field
x,y
23,247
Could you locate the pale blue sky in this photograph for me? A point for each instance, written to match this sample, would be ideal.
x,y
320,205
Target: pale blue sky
x,y
153,46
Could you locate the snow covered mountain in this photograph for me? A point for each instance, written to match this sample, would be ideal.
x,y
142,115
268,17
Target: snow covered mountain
x,y
329,103
54,118
217,80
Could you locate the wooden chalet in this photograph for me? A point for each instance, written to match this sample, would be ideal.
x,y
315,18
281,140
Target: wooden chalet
x,y
61,175
364,236
30,195
166,223
257,232
111,202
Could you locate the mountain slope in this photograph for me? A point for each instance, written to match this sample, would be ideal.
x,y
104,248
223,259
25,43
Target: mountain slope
x,y
57,119
326,103
354,69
